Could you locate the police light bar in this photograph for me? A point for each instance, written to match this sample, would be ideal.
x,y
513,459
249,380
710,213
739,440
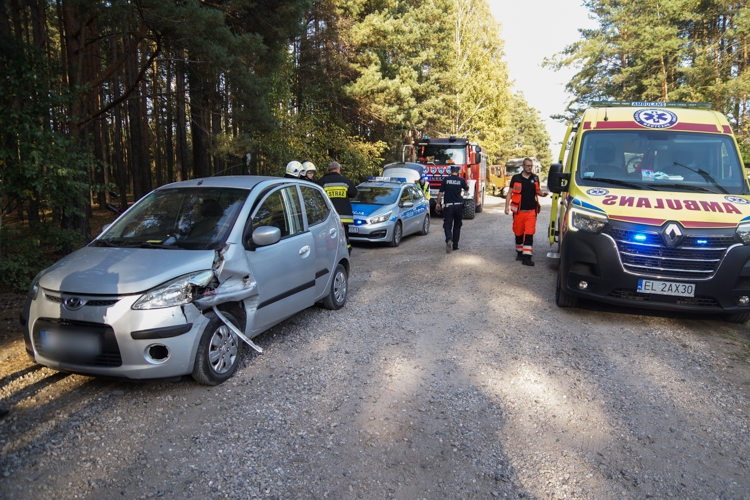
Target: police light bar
x,y
646,104
387,179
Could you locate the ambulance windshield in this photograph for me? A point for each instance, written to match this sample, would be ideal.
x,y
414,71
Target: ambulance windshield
x,y
661,160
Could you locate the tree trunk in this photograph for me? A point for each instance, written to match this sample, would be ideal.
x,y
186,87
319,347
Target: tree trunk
x,y
169,147
180,99
199,121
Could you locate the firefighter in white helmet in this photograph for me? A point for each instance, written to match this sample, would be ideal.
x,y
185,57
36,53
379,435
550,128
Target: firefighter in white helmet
x,y
308,171
293,169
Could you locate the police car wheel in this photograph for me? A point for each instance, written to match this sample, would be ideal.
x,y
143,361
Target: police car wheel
x,y
425,225
397,234
336,297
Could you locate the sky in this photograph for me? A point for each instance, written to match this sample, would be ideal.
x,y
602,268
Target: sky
x,y
533,30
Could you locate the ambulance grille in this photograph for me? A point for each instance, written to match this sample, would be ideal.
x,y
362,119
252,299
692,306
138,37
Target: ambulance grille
x,y
650,257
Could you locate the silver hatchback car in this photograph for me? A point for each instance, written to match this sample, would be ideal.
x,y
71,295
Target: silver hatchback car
x,y
179,281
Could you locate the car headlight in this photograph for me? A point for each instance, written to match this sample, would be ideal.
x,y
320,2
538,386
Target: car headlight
x,y
587,220
380,218
34,288
177,292
743,231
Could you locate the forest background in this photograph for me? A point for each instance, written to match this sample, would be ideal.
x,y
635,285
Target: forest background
x,y
121,96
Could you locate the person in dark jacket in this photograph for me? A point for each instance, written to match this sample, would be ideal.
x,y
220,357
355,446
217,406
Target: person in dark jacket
x,y
453,209
339,189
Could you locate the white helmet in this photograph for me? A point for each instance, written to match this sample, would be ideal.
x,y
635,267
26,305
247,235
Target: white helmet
x,y
293,168
307,166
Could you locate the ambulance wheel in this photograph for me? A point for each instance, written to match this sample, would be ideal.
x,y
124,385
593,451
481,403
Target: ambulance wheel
x,y
398,232
425,225
336,297
563,298
481,207
470,208
737,318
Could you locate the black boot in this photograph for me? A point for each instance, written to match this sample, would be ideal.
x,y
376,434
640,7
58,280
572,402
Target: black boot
x,y
519,255
527,260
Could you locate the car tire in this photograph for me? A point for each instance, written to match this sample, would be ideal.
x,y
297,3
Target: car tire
x,y
336,297
425,225
397,235
563,298
470,207
219,351
481,207
737,318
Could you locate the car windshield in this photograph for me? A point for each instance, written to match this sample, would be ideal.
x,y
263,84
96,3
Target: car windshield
x,y
189,218
440,154
513,169
661,160
376,195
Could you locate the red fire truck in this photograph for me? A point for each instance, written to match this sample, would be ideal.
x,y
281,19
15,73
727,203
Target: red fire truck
x,y
438,155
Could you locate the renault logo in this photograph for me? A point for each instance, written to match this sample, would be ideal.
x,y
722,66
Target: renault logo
x,y
73,303
672,234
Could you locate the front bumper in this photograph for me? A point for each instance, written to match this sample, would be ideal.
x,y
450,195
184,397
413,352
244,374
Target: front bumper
x,y
125,336
380,232
595,259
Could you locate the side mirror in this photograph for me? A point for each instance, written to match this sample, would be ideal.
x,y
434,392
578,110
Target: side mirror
x,y
478,149
407,204
557,181
266,235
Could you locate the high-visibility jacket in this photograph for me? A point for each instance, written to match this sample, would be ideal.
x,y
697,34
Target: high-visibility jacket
x,y
425,187
516,187
339,189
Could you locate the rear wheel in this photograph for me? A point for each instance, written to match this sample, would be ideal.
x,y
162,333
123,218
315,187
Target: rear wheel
x,y
738,317
219,351
563,298
470,208
336,297
425,225
397,235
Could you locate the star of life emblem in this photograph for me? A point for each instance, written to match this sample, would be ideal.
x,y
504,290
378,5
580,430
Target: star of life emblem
x,y
655,118
597,192
736,200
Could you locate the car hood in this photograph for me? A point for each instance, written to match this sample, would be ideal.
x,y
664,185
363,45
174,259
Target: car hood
x,y
692,210
120,271
365,210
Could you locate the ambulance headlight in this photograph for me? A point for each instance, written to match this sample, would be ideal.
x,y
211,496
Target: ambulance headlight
x,y
743,231
587,220
380,218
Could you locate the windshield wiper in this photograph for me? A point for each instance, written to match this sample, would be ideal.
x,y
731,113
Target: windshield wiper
x,y
686,187
148,244
618,182
706,176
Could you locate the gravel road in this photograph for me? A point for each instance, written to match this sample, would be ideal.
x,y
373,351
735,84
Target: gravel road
x,y
444,377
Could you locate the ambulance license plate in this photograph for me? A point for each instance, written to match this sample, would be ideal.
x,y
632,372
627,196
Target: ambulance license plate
x,y
667,288
353,230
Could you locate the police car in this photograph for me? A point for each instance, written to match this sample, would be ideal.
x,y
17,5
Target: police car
x,y
388,208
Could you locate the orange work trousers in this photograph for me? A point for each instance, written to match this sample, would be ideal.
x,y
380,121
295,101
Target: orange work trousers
x,y
524,227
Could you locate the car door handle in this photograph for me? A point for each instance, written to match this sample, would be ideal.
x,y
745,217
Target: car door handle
x,y
333,232
304,250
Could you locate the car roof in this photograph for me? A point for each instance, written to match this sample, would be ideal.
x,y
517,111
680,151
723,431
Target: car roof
x,y
233,181
410,165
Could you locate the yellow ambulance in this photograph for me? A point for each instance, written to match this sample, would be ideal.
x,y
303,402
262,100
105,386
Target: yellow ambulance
x,y
651,209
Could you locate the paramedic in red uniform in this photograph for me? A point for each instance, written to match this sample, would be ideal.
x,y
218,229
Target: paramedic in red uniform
x,y
523,202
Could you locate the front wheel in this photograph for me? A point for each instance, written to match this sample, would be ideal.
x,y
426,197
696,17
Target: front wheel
x,y
336,297
481,207
738,317
218,353
470,207
398,232
425,225
563,298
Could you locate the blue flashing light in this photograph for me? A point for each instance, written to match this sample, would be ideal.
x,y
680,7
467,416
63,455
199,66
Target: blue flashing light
x,y
425,137
358,222
640,237
702,242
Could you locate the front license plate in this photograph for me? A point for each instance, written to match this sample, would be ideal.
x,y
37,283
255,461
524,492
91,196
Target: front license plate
x,y
70,343
353,230
667,288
